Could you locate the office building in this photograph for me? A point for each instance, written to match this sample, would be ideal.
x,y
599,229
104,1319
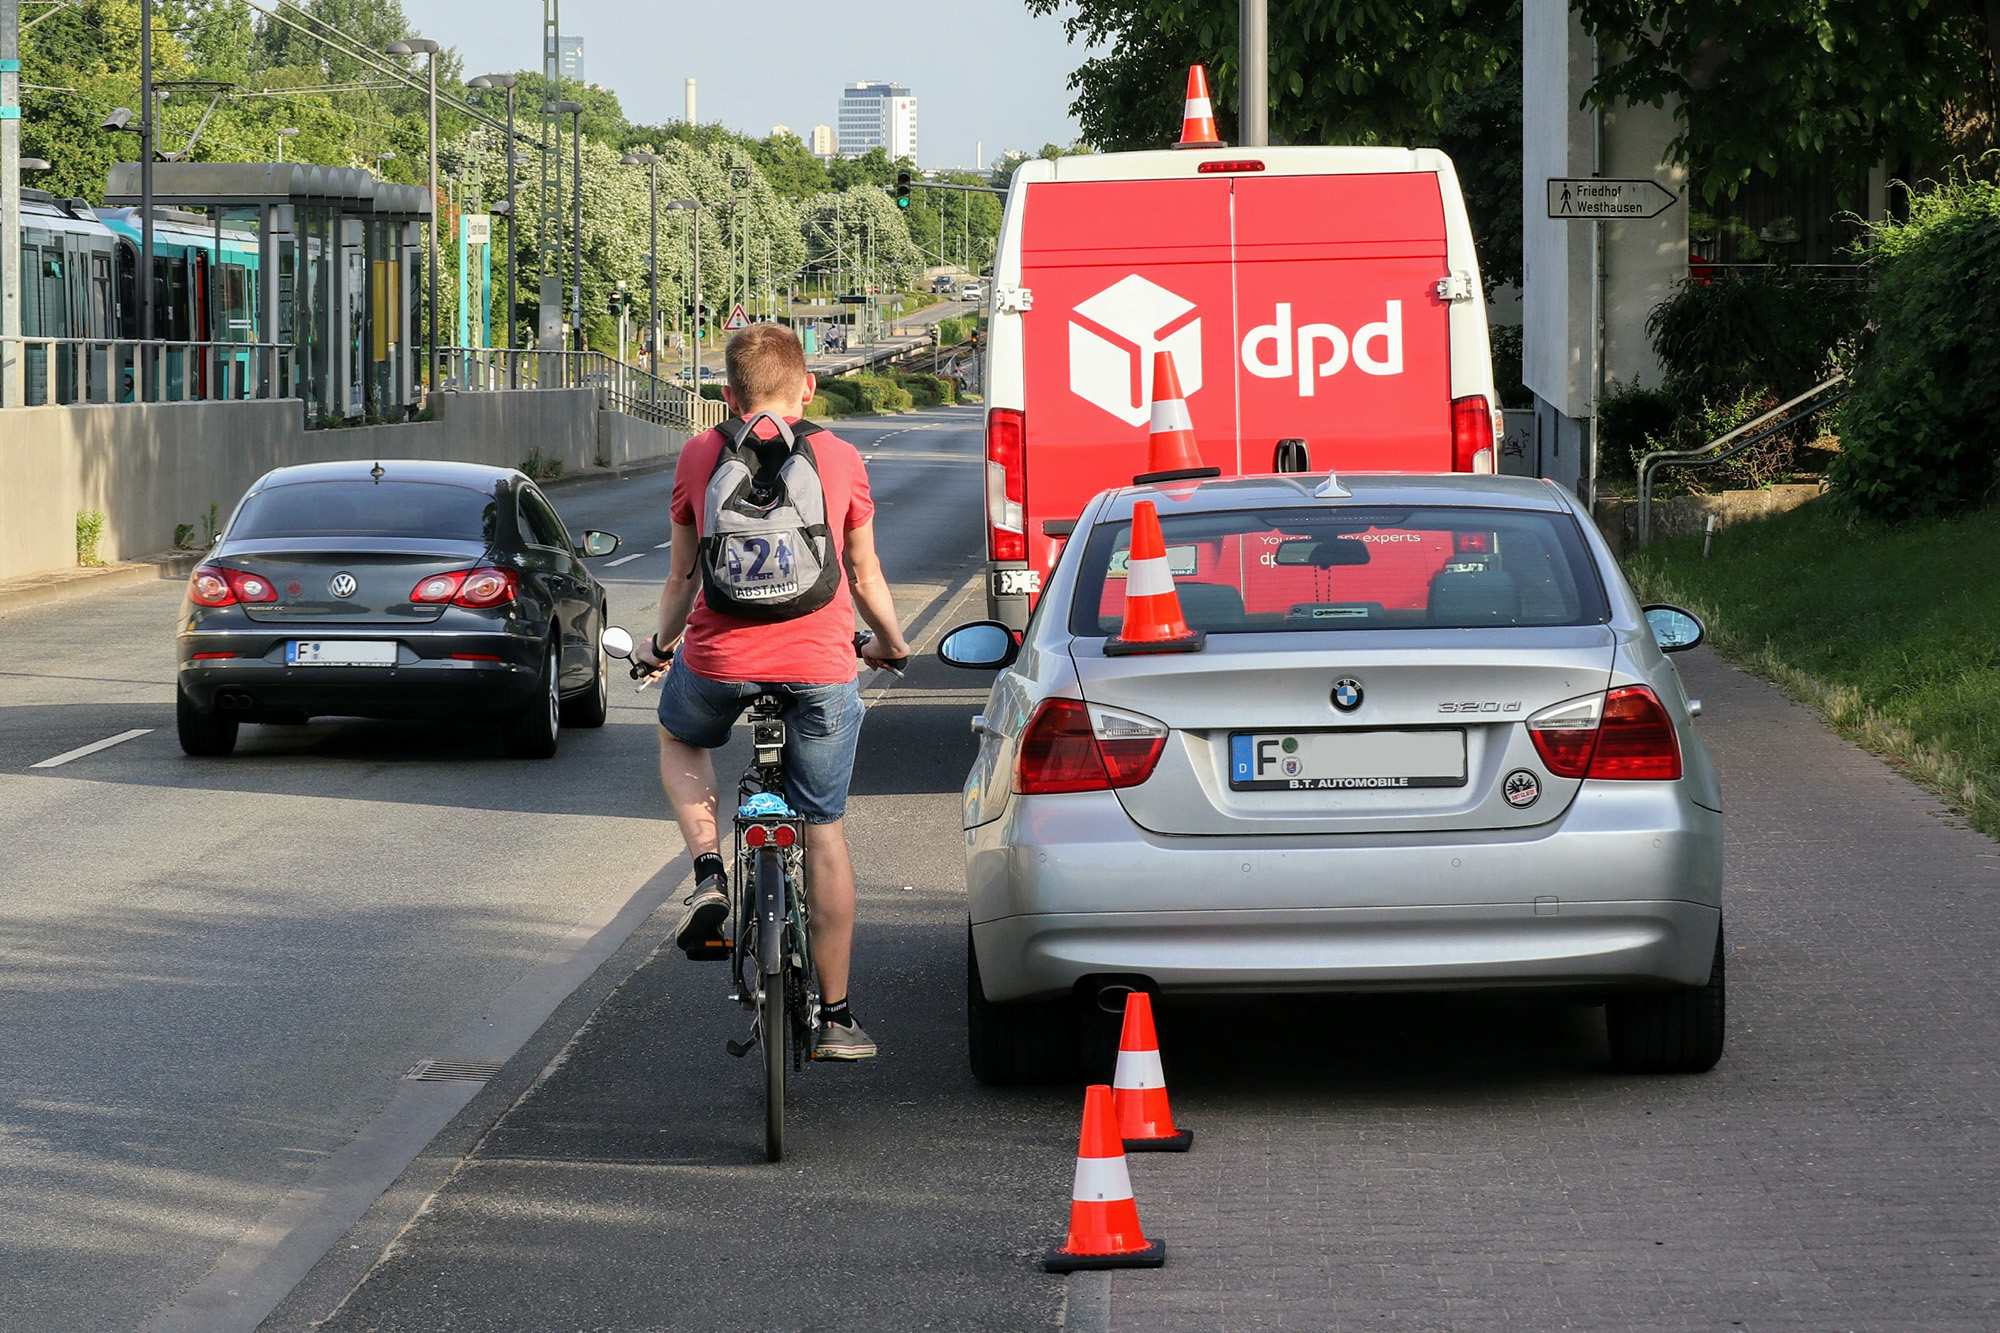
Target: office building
x,y
824,142
569,58
878,115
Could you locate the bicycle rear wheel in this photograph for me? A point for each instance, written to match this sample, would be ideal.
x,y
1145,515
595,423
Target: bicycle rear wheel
x,y
773,1023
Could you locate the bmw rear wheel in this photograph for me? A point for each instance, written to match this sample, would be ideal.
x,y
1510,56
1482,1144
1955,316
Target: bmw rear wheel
x,y
532,732
1678,1031
204,732
1033,1041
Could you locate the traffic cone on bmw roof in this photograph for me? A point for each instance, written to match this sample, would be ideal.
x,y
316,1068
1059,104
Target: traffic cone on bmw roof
x,y
1104,1230
1172,452
1153,621
1198,120
1139,1088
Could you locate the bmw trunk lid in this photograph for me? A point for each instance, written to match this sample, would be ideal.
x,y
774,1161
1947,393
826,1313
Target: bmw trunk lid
x,y
1355,732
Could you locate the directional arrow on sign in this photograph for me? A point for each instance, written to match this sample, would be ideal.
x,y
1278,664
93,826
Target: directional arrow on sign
x,y
1591,199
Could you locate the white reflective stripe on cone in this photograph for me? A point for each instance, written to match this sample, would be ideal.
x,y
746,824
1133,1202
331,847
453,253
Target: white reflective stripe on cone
x,y
1171,414
1101,1180
1138,1069
1198,108
1148,578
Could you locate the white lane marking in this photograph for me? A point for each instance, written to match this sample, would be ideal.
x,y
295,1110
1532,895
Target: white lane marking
x,y
625,560
92,748
663,546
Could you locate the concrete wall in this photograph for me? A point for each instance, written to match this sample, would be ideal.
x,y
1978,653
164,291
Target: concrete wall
x,y
150,467
1688,515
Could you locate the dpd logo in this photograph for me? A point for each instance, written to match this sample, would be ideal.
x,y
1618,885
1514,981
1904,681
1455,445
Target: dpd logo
x,y
1112,338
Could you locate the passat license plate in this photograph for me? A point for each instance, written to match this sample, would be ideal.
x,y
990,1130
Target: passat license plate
x,y
340,652
1346,760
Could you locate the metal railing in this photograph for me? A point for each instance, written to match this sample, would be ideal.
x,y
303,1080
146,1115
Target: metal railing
x,y
68,371
1725,447
620,385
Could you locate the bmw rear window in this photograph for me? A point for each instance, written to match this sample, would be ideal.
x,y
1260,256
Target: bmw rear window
x,y
1264,571
369,509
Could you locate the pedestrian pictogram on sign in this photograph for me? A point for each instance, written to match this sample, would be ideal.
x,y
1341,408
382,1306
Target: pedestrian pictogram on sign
x,y
737,319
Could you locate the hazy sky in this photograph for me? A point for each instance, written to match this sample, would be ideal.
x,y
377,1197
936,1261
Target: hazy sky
x,y
981,70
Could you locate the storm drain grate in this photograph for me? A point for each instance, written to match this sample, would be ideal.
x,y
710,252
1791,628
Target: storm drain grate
x,y
438,1071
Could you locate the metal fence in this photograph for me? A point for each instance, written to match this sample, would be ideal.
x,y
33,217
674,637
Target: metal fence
x,y
99,370
619,385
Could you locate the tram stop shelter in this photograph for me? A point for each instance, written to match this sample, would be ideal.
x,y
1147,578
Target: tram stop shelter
x,y
337,269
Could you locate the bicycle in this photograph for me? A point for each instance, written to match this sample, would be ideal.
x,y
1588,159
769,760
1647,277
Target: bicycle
x,y
770,956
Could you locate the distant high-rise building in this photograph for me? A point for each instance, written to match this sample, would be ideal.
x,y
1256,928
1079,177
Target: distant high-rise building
x,y
824,142
569,57
878,115
782,132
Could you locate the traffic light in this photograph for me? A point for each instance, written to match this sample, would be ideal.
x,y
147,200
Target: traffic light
x,y
902,189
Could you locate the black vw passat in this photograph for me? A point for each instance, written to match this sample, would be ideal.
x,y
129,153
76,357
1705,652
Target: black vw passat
x,y
394,590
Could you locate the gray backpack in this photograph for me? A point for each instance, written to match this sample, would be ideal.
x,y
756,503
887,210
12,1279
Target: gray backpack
x,y
766,551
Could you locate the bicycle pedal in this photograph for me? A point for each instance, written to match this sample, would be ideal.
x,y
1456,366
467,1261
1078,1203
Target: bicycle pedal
x,y
708,951
739,1049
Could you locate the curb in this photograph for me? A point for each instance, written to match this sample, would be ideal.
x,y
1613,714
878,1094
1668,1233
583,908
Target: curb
x,y
69,584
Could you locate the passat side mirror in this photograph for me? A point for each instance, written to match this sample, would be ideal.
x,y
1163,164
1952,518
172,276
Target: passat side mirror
x,y
984,645
597,543
1674,629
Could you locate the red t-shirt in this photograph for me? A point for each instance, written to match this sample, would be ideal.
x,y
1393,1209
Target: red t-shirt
x,y
815,649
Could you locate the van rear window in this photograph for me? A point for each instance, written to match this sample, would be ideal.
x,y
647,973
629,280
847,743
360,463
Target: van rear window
x,y
1264,571
368,509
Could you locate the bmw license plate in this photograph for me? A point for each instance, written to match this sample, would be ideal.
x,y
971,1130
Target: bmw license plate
x,y
340,652
1346,760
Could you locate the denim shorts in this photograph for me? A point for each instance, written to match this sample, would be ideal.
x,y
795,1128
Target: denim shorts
x,y
822,725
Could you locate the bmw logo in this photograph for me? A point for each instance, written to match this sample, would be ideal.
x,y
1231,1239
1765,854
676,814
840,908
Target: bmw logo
x,y
1347,694
1522,788
342,584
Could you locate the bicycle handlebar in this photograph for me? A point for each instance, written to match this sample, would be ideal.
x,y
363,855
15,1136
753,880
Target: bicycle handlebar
x,y
645,673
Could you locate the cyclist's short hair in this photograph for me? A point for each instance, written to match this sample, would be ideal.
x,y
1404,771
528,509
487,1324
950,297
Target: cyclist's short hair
x,y
763,362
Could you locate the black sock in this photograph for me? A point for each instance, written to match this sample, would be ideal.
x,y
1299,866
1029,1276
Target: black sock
x,y
836,1012
707,866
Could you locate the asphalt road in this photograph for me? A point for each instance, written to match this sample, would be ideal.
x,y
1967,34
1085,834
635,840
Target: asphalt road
x,y
215,973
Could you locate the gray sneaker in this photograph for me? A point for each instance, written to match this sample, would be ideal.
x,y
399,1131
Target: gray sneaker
x,y
699,934
843,1042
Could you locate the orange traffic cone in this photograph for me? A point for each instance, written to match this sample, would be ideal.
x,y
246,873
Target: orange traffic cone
x,y
1172,452
1153,621
1104,1227
1139,1088
1198,120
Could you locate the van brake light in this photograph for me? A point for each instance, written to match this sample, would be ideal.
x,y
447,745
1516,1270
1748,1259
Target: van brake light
x,y
1475,434
1006,484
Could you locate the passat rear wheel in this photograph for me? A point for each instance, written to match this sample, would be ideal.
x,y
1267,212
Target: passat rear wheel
x,y
203,731
1030,1041
1677,1031
531,733
589,709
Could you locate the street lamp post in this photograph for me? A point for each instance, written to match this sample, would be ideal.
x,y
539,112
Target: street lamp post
x,y
694,355
574,110
651,162
289,132
506,81
429,50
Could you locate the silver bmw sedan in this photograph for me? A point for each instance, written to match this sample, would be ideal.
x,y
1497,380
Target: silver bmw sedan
x,y
1416,734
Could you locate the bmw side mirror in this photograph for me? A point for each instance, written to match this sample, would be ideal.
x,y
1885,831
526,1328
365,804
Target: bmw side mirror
x,y
1674,629
598,543
984,645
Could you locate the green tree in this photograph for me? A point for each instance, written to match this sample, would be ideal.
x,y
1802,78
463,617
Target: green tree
x,y
790,166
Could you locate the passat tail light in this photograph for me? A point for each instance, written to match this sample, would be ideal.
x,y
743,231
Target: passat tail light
x,y
487,587
212,585
438,588
1069,747
1475,434
1622,736
1006,484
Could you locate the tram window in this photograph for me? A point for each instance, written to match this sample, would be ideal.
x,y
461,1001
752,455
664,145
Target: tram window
x,y
31,293
235,304
100,296
128,295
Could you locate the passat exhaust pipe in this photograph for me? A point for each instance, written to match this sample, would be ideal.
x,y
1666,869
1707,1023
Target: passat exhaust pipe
x,y
234,701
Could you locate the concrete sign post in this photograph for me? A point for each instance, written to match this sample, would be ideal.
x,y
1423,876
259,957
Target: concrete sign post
x,y
1589,199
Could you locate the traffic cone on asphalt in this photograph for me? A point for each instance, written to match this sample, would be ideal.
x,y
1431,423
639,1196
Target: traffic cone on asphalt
x,y
1198,120
1104,1227
1172,452
1139,1088
1153,621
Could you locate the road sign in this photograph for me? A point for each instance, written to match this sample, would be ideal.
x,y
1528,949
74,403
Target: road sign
x,y
1589,199
853,298
737,319
476,228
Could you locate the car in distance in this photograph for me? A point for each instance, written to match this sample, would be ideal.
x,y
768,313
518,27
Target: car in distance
x,y
972,291
1430,741
396,589
943,285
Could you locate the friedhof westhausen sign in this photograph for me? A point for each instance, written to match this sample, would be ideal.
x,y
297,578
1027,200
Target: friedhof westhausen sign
x,y
1589,199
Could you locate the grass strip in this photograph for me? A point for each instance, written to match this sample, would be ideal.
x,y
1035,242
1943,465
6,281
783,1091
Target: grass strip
x,y
1892,633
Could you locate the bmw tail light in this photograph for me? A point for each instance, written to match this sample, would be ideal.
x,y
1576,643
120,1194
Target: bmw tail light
x,y
1070,747
1475,434
487,587
1006,484
1130,744
1637,741
438,587
209,587
1566,733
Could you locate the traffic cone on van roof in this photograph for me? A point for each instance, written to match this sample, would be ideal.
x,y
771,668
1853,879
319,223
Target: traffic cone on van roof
x,y
1198,120
1139,1087
1172,452
1104,1230
1153,621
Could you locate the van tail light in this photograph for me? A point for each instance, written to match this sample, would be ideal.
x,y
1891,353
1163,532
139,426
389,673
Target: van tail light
x,y
1624,735
487,587
212,585
1069,746
1006,484
1475,434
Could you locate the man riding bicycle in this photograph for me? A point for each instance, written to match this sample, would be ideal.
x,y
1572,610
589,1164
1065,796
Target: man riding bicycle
x,y
723,661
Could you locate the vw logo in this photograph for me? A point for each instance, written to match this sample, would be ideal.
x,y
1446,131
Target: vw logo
x,y
1347,694
342,585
